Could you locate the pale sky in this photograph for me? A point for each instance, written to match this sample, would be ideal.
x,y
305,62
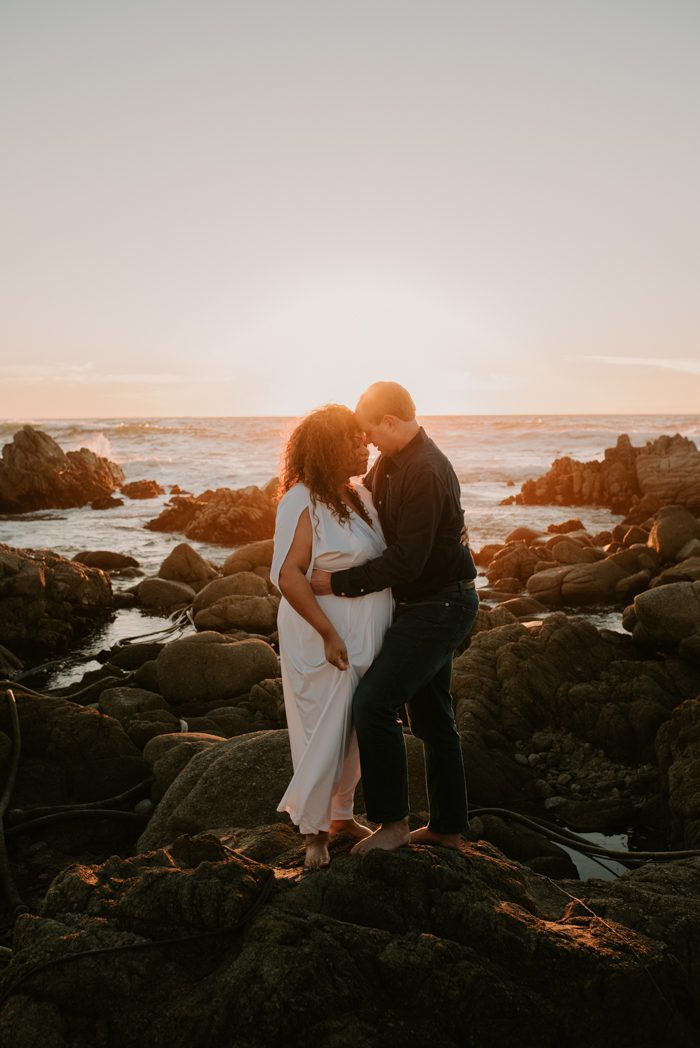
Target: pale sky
x,y
224,208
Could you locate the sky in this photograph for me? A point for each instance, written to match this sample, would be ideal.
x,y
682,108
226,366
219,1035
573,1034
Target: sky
x,y
224,208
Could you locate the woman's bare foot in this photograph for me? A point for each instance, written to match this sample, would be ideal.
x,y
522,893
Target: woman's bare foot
x,y
389,837
317,856
350,828
427,836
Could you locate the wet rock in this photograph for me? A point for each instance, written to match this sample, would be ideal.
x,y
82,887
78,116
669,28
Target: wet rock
x,y
417,925
142,489
252,614
667,618
678,751
47,602
164,594
106,560
70,754
208,666
124,702
168,754
243,583
254,556
106,502
185,564
35,473
226,517
674,528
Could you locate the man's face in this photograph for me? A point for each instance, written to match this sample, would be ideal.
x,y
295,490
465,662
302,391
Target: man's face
x,y
382,434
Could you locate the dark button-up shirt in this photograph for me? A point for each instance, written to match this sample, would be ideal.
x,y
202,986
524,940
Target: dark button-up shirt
x,y
416,493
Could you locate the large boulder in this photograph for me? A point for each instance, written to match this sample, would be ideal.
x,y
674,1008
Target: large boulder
x,y
35,473
226,517
70,754
669,469
627,479
239,612
667,618
185,564
106,560
242,584
674,529
413,947
48,602
596,698
237,782
678,752
254,556
164,594
206,667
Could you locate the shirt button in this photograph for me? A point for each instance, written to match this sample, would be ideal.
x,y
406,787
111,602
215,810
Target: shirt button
x,y
362,591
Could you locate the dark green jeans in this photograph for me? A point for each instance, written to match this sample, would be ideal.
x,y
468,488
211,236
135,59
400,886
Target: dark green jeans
x,y
414,668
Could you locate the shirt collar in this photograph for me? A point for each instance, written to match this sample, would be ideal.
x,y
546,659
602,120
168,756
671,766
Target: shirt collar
x,y
399,458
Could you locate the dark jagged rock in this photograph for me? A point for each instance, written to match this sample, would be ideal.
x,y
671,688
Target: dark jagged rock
x,y
225,517
564,676
142,489
47,602
35,473
420,946
106,560
665,470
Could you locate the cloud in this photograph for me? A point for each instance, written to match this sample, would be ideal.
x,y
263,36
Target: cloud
x,y
684,364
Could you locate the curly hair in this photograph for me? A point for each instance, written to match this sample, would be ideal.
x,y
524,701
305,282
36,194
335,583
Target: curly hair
x,y
319,454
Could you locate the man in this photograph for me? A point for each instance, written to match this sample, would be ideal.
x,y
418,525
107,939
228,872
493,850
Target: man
x,y
431,573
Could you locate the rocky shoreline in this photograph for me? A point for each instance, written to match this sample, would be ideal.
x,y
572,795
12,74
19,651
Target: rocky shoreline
x,y
142,819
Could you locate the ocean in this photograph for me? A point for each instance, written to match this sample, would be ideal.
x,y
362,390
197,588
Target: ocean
x,y
492,455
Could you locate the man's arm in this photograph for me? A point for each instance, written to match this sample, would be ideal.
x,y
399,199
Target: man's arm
x,y
402,561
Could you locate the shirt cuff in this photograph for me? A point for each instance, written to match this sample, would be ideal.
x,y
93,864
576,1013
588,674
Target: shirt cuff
x,y
340,584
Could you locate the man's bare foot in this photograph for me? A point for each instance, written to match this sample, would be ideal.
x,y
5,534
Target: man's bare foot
x,y
350,828
316,857
389,837
427,836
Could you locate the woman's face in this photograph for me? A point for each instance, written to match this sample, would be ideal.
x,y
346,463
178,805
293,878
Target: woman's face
x,y
358,454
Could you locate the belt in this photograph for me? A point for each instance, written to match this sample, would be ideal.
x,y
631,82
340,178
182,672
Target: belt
x,y
451,590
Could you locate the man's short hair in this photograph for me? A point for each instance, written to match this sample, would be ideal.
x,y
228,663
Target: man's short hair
x,y
387,398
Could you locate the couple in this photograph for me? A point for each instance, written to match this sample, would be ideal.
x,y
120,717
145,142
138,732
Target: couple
x,y
378,591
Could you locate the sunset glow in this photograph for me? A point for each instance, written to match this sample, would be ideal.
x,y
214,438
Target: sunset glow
x,y
256,209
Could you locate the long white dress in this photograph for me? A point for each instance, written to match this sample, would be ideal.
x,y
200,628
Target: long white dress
x,y
317,695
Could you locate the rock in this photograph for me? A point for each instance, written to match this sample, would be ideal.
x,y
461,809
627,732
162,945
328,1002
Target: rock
x,y
185,564
566,551
546,586
168,754
591,583
250,557
105,560
573,524
224,516
106,502
47,602
691,550
629,480
10,665
131,656
669,469
485,555
142,489
524,607
674,528
667,618
634,535
417,925
70,754
243,583
208,666
252,614
164,593
523,534
124,702
686,571
678,752
513,561
36,474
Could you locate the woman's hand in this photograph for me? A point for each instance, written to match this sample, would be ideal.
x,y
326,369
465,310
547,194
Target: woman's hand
x,y
336,652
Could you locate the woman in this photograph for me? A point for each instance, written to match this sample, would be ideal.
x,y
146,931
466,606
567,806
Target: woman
x,y
326,643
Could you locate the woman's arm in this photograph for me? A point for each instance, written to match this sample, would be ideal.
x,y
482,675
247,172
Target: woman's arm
x,y
295,588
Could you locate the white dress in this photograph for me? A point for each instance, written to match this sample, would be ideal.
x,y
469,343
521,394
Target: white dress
x,y
317,695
